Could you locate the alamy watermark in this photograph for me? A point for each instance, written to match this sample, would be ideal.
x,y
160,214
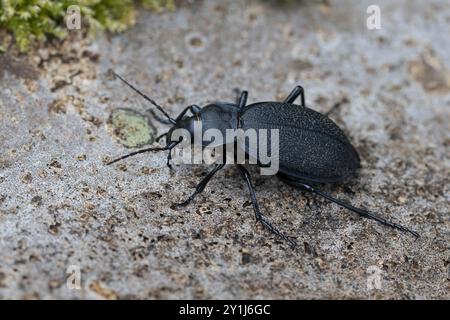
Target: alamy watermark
x,y
73,18
214,146
373,21
73,281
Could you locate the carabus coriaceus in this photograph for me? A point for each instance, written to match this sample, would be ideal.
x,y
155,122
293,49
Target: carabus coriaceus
x,y
312,148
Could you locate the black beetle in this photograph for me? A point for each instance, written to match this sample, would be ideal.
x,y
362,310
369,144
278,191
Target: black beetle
x,y
313,149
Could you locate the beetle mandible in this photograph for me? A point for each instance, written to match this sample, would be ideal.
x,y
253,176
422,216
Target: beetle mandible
x,y
312,148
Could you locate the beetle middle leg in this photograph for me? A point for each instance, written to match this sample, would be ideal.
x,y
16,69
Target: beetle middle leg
x,y
169,158
201,186
242,99
361,212
297,91
259,217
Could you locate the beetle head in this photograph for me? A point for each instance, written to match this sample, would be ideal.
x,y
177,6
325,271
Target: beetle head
x,y
183,131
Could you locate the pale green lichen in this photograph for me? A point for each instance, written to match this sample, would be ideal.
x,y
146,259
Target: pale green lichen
x,y
30,20
131,128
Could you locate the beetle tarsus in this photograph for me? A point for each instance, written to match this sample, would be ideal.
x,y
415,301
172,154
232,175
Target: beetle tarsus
x,y
169,157
182,204
201,186
259,217
361,212
297,91
275,231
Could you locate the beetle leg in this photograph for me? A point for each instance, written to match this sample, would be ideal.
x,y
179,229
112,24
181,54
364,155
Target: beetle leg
x,y
361,212
201,186
297,91
169,158
243,99
259,217
193,108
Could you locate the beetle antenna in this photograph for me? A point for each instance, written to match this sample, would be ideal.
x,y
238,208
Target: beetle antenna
x,y
153,102
168,147
161,136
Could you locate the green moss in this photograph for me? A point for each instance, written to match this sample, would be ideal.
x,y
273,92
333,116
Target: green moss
x,y
159,5
31,20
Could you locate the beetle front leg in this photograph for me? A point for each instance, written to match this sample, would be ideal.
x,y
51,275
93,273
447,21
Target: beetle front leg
x,y
297,91
259,217
193,108
201,186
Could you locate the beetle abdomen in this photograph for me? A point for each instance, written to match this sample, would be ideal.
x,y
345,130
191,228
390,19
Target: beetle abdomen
x,y
311,146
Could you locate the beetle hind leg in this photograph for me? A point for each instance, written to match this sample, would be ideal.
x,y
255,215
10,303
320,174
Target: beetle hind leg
x,y
297,91
361,212
259,217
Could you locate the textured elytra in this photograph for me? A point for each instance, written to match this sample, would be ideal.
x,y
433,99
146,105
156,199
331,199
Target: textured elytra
x,y
311,146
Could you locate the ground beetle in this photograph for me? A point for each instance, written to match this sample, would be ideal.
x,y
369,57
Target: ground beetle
x,y
313,149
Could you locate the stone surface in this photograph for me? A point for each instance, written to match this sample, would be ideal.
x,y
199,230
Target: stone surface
x,y
63,210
